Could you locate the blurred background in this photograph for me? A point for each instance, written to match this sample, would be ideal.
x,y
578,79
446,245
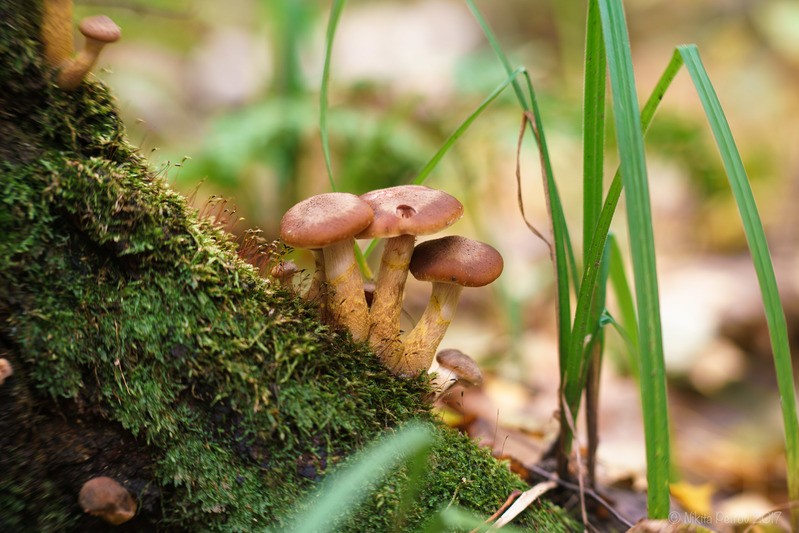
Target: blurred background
x,y
223,98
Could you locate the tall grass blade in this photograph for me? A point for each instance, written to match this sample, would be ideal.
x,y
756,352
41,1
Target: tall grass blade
x,y
634,174
593,125
343,492
332,24
582,317
758,246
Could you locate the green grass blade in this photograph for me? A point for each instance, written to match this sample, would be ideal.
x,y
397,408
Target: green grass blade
x,y
582,317
332,24
425,172
593,125
758,246
634,174
345,490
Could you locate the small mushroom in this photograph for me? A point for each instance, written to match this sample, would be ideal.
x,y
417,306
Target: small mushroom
x,y
56,31
450,263
401,214
454,367
330,221
99,31
106,498
6,370
283,272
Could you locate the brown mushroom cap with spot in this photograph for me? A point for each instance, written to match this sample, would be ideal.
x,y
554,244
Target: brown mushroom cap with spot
x,y
330,221
450,263
401,213
99,31
102,496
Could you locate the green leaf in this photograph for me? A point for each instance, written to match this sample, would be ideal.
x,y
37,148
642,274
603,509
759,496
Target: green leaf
x,y
343,491
630,143
758,246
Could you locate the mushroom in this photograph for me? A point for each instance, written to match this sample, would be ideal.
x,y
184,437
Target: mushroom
x,y
56,31
450,263
99,31
106,498
401,213
330,221
6,370
454,366
283,272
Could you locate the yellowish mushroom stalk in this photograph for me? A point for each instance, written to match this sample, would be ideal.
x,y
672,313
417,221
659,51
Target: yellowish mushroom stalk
x,y
387,304
56,31
345,300
422,342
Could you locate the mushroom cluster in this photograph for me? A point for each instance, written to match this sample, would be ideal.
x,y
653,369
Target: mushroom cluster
x,y
328,224
56,33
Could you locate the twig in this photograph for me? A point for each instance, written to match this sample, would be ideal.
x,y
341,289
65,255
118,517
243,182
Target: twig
x,y
523,502
579,461
589,492
513,495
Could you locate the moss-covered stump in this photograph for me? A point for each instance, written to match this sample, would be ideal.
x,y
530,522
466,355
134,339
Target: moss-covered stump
x,y
145,350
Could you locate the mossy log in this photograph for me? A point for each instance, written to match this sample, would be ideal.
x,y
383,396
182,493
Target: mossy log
x,y
145,350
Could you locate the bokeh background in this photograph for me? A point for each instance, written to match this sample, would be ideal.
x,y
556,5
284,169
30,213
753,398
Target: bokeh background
x,y
223,98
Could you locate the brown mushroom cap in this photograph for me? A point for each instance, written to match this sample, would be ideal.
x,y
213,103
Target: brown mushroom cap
x,y
410,210
456,260
6,370
102,496
460,364
100,28
324,219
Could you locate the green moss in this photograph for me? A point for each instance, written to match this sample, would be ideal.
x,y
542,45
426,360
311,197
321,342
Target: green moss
x,y
121,305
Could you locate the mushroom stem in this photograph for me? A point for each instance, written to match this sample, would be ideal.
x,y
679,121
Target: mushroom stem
x,y
387,301
422,341
75,70
56,31
346,300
